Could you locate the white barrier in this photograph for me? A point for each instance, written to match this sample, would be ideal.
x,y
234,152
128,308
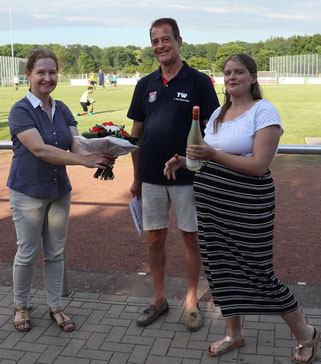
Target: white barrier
x,y
299,80
127,81
120,81
291,80
79,82
313,81
284,81
219,80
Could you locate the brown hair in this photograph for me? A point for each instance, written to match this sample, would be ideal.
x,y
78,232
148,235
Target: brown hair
x,y
161,21
37,54
256,91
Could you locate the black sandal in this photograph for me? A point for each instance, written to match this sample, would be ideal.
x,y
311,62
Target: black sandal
x,y
23,320
64,320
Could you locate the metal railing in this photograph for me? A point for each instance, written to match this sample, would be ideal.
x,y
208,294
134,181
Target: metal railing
x,y
6,144
282,149
299,149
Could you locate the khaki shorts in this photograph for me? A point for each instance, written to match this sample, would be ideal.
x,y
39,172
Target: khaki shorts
x,y
157,200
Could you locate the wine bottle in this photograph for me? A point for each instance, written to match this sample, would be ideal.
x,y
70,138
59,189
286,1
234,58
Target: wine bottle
x,y
194,137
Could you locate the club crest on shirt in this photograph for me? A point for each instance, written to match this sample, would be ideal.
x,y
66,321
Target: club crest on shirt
x,y
152,96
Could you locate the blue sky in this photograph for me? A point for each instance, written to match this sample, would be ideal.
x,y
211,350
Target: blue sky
x,y
108,23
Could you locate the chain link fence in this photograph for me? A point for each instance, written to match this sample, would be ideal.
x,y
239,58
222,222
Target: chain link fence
x,y
301,65
9,67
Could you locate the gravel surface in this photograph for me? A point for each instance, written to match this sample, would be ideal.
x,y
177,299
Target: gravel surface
x,y
102,235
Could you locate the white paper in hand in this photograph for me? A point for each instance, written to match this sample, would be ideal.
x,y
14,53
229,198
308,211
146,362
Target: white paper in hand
x,y
136,209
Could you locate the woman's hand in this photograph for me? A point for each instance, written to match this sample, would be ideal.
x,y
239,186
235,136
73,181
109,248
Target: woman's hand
x,y
173,165
97,160
202,152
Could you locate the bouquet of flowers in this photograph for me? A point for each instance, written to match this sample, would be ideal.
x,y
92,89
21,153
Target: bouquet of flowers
x,y
107,138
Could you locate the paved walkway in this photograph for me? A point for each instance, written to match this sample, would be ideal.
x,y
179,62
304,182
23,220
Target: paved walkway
x,y
106,332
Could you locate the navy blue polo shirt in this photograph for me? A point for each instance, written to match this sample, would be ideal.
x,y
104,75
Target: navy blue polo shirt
x,y
166,111
28,174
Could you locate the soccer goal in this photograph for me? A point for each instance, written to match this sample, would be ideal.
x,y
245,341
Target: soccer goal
x,y
267,76
208,72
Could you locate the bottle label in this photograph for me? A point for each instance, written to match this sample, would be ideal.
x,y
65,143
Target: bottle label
x,y
193,163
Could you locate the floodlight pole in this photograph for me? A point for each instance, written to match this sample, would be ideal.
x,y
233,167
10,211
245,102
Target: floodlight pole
x,y
12,53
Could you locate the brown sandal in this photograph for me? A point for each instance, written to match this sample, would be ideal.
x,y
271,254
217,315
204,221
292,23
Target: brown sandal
x,y
64,320
310,344
23,321
227,345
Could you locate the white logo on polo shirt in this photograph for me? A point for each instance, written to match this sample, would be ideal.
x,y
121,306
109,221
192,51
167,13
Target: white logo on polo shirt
x,y
181,96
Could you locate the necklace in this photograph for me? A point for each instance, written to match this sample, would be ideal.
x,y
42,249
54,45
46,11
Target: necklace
x,y
47,109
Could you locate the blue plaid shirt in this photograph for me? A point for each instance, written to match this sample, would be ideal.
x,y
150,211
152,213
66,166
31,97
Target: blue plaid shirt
x,y
28,174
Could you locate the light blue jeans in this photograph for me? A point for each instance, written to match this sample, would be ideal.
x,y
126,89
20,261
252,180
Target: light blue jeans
x,y
39,221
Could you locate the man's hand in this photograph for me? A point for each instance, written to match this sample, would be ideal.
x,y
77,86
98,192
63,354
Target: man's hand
x,y
136,189
173,165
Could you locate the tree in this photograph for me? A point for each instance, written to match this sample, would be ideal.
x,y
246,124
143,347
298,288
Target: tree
x,y
124,58
149,63
304,45
225,51
279,45
96,54
138,55
86,63
187,51
200,63
5,50
211,51
200,50
263,59
66,59
108,57
76,58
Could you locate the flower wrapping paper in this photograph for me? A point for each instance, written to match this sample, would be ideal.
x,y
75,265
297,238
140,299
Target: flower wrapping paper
x,y
108,144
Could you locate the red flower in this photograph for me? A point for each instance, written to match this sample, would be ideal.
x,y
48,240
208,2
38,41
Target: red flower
x,y
100,132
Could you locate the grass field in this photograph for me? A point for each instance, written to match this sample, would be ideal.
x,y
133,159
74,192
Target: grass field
x,y
299,107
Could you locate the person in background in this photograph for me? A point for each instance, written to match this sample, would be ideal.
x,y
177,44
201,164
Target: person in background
x,y
85,101
101,80
42,131
213,80
92,80
137,76
161,108
16,82
115,79
107,79
234,194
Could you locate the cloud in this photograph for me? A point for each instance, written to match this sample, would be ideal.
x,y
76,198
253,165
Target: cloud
x,y
128,21
209,9
286,16
41,16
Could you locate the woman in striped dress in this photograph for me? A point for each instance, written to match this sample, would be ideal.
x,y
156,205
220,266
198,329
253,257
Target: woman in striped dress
x,y
234,194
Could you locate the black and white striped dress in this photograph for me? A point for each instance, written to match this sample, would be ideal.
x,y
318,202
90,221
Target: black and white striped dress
x,y
236,222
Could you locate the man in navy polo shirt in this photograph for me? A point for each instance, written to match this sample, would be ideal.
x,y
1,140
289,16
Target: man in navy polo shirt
x,y
161,110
